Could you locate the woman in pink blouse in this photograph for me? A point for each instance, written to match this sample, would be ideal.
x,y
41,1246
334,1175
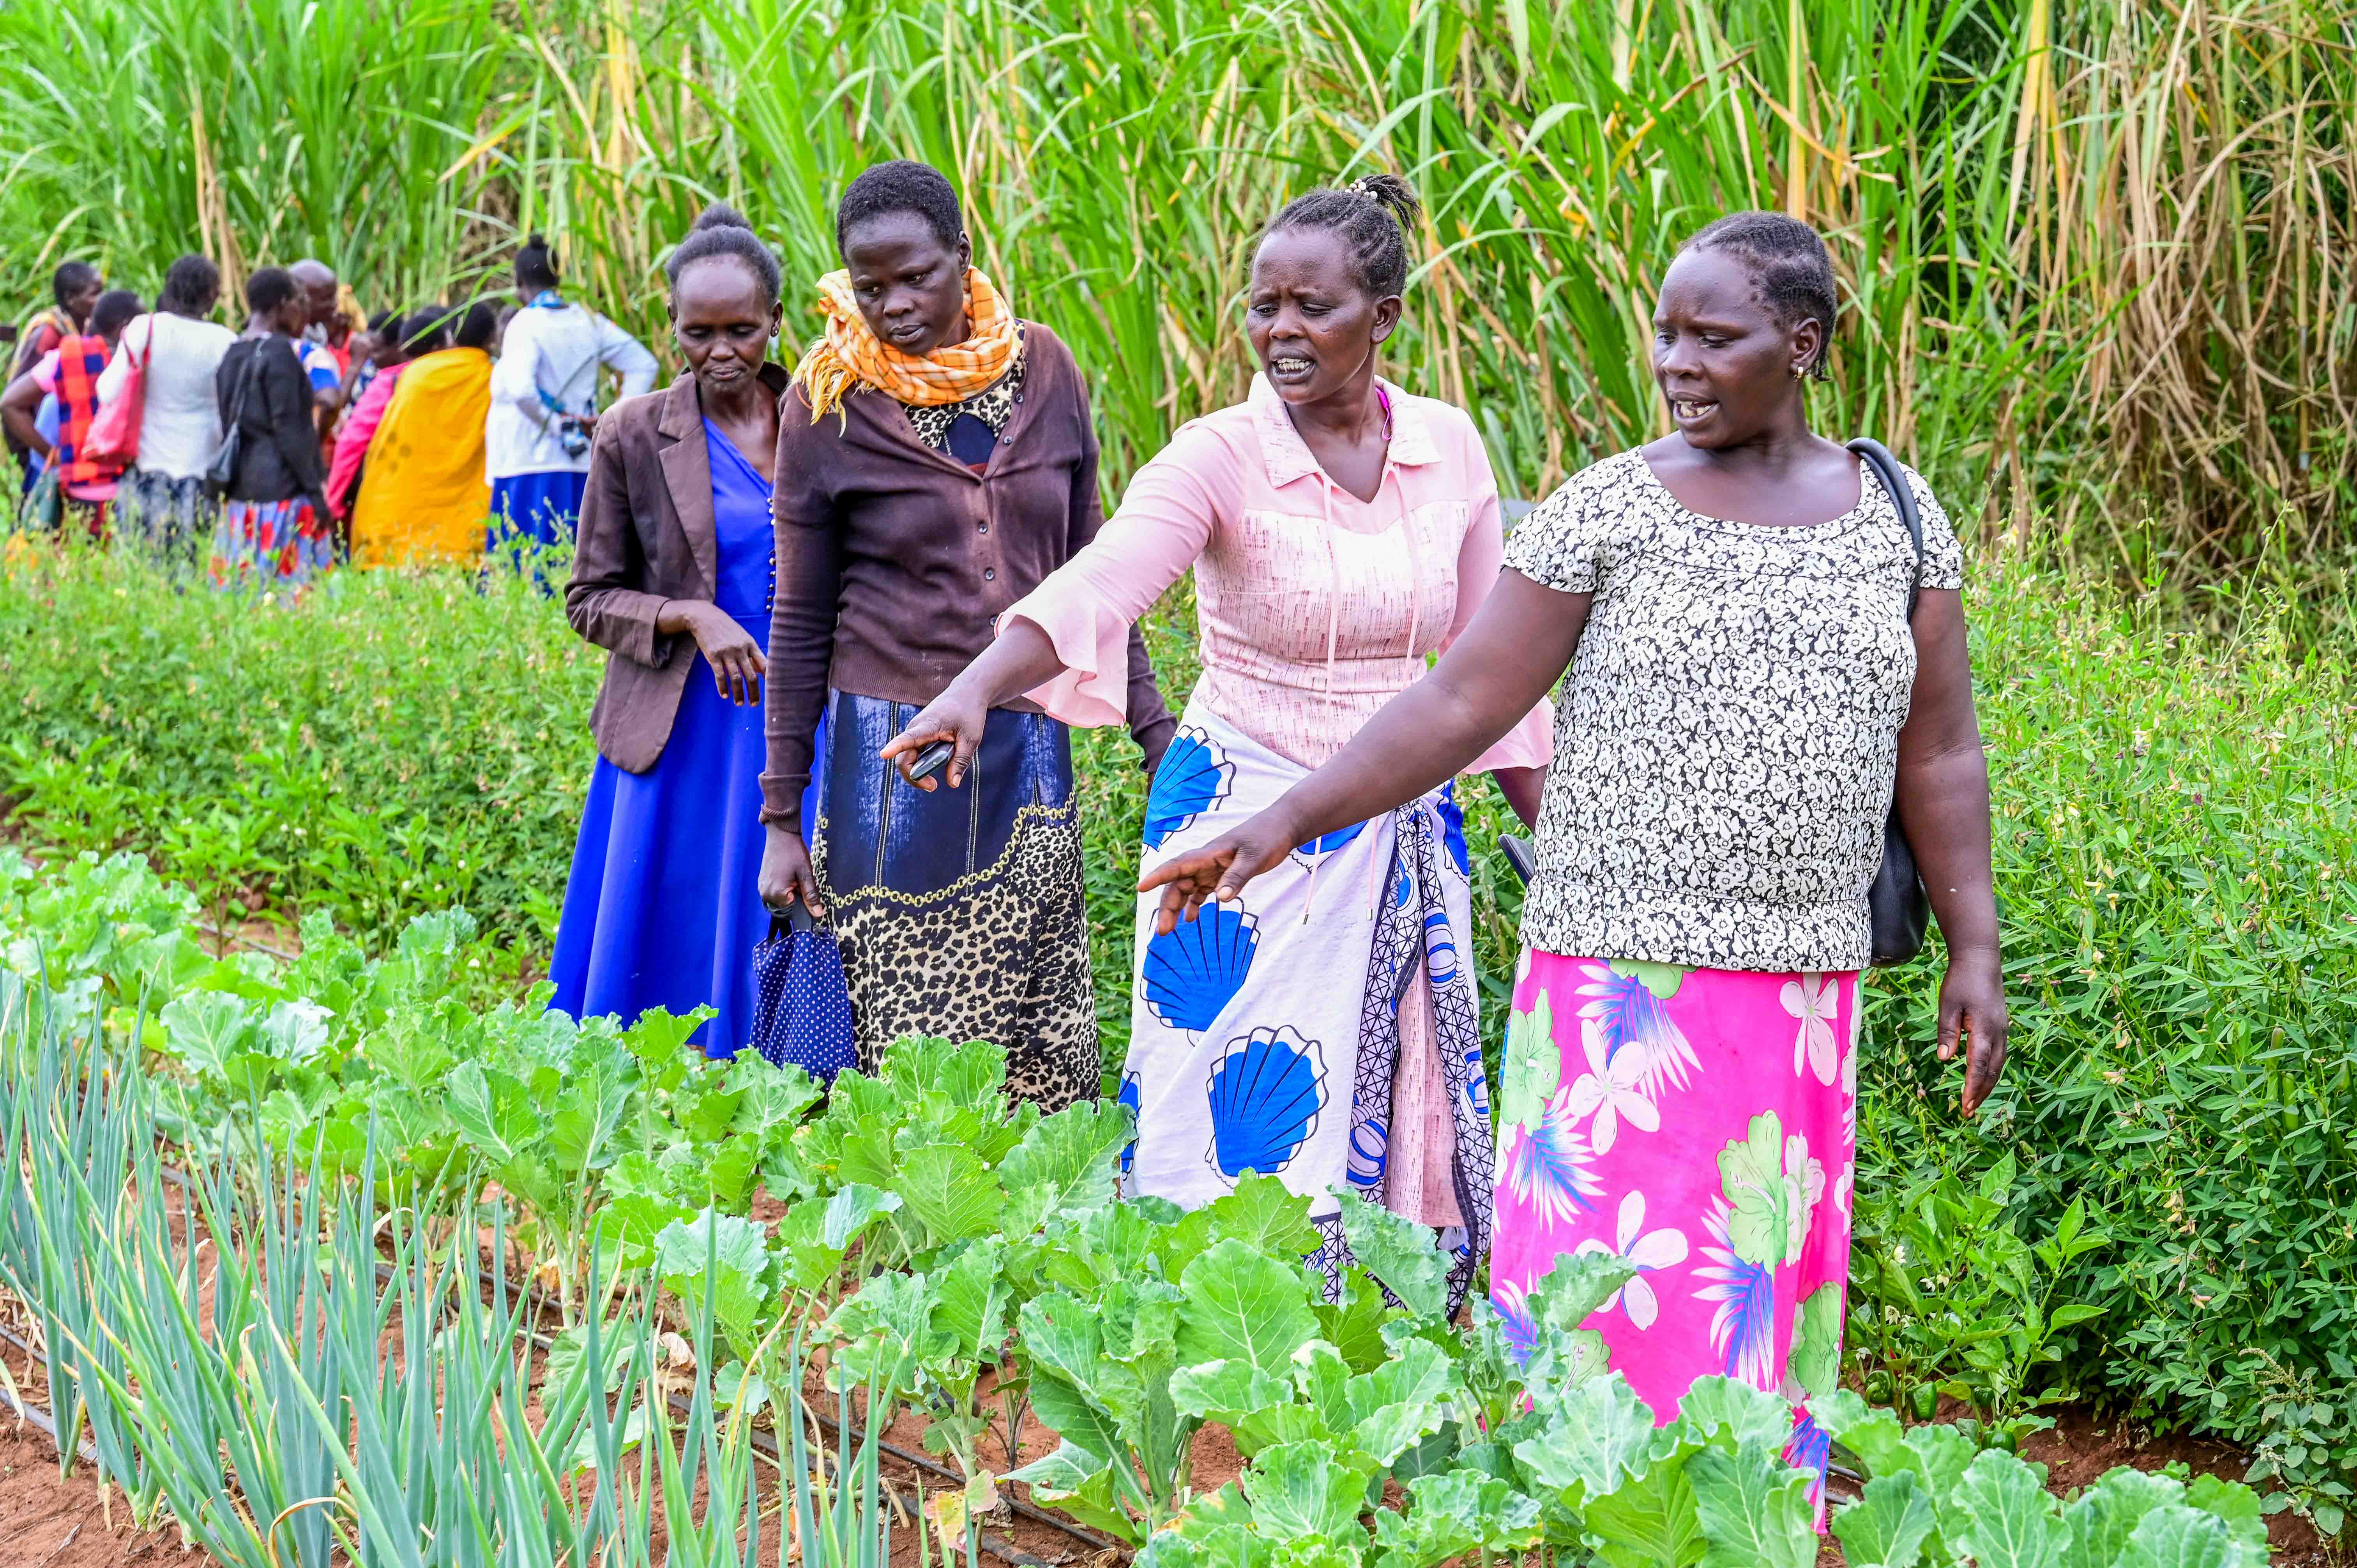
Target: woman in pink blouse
x,y
405,340
1324,1030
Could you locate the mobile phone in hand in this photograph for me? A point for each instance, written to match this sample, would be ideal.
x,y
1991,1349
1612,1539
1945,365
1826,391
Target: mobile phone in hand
x,y
929,761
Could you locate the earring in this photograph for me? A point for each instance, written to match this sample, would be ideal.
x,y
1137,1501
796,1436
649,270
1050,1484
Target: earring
x,y
1799,371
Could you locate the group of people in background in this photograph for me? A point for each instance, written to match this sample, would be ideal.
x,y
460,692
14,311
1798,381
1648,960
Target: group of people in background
x,y
310,435
809,580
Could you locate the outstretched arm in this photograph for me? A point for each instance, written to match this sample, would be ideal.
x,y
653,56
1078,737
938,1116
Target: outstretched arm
x,y
1943,803
1083,618
1020,658
1518,645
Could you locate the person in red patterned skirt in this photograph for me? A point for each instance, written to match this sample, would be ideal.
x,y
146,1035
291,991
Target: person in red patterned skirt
x,y
70,373
275,531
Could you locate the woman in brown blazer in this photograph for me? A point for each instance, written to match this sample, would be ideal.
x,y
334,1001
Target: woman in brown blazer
x,y
671,574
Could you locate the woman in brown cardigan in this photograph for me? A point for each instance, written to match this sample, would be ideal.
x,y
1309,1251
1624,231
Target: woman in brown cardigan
x,y
935,462
671,572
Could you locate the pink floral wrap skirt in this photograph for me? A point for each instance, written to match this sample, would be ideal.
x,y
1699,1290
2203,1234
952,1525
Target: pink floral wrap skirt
x,y
1701,1123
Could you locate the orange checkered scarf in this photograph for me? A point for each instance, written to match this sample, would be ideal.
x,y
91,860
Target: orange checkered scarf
x,y
850,357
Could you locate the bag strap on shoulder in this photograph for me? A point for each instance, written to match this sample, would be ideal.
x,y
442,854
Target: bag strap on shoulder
x,y
1875,455
246,380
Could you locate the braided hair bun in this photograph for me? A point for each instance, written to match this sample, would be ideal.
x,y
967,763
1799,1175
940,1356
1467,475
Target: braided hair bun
x,y
1789,260
1373,215
722,230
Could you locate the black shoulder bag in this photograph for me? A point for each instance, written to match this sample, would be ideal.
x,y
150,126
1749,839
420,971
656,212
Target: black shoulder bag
x,y
1895,902
221,471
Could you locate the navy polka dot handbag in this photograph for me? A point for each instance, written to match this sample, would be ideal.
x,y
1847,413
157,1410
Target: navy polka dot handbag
x,y
802,1013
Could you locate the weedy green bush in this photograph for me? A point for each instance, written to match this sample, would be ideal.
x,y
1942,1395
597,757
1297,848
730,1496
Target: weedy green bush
x,y
394,743
2176,830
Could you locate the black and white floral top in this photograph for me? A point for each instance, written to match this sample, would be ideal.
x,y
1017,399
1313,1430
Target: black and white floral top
x,y
1728,736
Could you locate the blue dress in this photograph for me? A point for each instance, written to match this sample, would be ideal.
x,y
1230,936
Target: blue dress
x,y
539,508
663,908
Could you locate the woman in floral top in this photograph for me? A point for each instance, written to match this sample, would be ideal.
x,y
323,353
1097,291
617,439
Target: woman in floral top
x,y
1746,692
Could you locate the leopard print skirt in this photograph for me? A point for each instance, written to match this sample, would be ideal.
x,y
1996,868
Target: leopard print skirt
x,y
959,911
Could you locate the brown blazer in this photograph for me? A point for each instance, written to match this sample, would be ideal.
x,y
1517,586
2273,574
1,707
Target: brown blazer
x,y
646,538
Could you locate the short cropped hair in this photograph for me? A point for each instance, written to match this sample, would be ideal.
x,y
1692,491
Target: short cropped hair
x,y
901,185
269,288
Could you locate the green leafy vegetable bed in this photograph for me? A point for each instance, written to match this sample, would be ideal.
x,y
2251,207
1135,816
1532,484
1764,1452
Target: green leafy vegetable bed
x,y
945,1248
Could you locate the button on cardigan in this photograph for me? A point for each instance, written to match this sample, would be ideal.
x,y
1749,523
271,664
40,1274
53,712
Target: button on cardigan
x,y
894,559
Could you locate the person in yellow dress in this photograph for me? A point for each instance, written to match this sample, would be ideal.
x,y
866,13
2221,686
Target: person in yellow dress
x,y
424,496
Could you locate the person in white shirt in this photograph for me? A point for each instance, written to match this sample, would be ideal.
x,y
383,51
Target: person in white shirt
x,y
544,403
176,350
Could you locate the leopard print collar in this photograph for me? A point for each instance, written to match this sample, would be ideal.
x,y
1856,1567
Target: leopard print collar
x,y
993,405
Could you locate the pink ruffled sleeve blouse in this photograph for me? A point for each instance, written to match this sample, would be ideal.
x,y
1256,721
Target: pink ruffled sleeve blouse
x,y
1316,607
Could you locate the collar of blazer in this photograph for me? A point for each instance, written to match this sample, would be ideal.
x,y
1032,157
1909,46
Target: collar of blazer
x,y
687,466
